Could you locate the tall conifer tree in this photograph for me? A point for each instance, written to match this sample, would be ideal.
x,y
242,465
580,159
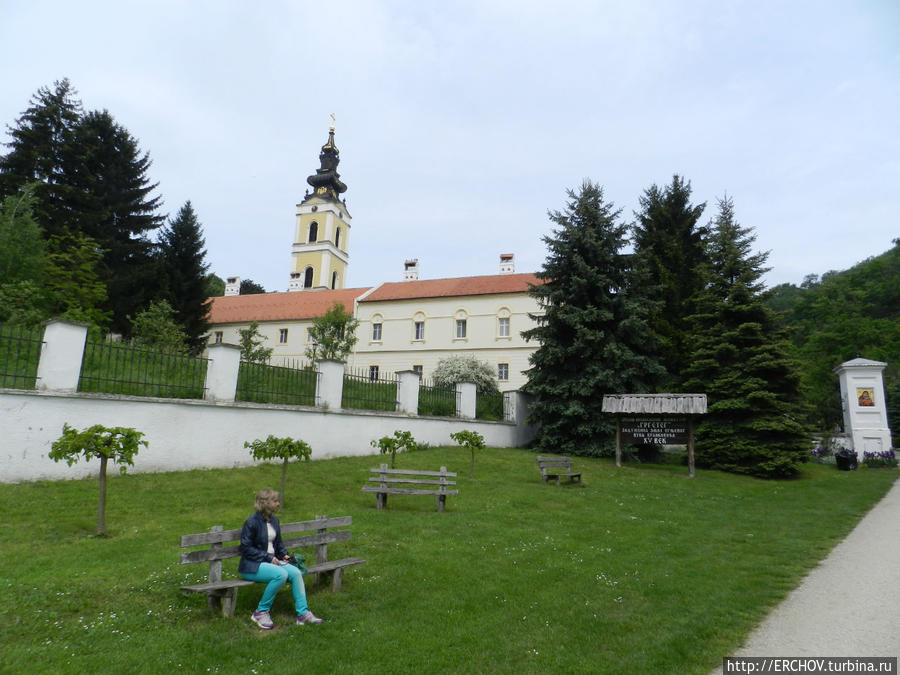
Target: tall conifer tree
x,y
754,421
593,335
185,266
669,247
91,182
41,153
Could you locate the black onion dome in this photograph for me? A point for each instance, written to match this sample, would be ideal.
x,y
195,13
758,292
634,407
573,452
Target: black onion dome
x,y
326,182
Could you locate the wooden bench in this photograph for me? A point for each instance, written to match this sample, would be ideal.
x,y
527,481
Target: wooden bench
x,y
552,468
389,479
218,589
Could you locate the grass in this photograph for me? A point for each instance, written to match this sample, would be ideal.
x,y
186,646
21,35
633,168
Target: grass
x,y
639,569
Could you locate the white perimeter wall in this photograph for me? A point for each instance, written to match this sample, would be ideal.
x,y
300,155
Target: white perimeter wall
x,y
199,434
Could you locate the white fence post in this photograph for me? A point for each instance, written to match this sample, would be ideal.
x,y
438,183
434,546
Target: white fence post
x,y
62,352
465,400
222,372
408,392
329,384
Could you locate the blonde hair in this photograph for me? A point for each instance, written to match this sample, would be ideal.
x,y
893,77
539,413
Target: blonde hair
x,y
265,502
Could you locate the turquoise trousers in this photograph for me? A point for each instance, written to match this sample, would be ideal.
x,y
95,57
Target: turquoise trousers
x,y
275,576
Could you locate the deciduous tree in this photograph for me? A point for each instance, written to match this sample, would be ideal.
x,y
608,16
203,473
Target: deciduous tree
x,y
333,334
119,444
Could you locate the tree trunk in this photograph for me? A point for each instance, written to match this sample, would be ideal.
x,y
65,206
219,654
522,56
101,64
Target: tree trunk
x,y
101,507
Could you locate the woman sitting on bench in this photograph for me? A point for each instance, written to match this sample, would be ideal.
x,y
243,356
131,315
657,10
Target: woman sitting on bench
x,y
264,559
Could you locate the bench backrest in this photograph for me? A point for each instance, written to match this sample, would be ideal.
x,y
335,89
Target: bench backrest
x,y
388,475
217,537
550,462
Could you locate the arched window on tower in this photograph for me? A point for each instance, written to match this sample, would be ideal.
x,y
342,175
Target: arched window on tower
x,y
313,232
308,278
334,280
337,238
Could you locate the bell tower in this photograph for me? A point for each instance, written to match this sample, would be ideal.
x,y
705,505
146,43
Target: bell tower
x,y
319,256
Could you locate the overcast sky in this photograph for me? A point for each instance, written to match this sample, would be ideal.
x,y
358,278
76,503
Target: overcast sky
x,y
460,124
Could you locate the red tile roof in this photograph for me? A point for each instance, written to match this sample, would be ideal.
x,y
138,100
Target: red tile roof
x,y
446,288
279,306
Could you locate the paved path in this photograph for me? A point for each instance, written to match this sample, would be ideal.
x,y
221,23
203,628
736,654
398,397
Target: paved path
x,y
849,605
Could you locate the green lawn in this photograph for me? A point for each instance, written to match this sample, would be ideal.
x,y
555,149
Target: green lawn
x,y
639,570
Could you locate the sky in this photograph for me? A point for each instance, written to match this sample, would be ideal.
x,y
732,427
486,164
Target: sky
x,y
461,124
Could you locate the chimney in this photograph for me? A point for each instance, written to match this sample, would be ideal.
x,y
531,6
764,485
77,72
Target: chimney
x,y
233,286
411,270
507,263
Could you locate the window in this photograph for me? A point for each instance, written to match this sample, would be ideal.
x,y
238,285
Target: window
x,y
308,277
376,332
337,238
503,371
418,371
218,337
313,232
309,336
282,335
460,328
419,330
503,327
334,279
373,373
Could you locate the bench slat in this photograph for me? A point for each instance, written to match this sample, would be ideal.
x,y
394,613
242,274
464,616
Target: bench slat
x,y
409,472
407,491
412,480
289,542
329,566
204,538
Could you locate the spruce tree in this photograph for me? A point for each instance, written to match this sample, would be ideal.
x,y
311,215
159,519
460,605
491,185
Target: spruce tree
x,y
41,152
593,335
184,270
118,211
754,421
669,246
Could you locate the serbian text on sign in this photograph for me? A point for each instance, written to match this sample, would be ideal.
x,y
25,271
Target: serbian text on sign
x,y
655,430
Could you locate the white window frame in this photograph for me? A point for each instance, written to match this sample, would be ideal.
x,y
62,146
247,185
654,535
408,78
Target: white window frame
x,y
503,372
503,327
282,336
377,330
461,329
418,330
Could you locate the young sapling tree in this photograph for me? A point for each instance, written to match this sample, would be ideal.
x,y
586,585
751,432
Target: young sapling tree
x,y
400,441
284,449
119,444
471,440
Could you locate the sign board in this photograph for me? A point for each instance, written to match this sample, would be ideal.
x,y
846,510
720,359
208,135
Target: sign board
x,y
650,430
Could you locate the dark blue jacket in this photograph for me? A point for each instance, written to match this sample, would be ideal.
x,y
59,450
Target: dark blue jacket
x,y
255,543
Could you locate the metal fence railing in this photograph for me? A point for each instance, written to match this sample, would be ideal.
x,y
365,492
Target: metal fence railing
x,y
440,401
369,390
288,384
489,407
115,368
20,351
